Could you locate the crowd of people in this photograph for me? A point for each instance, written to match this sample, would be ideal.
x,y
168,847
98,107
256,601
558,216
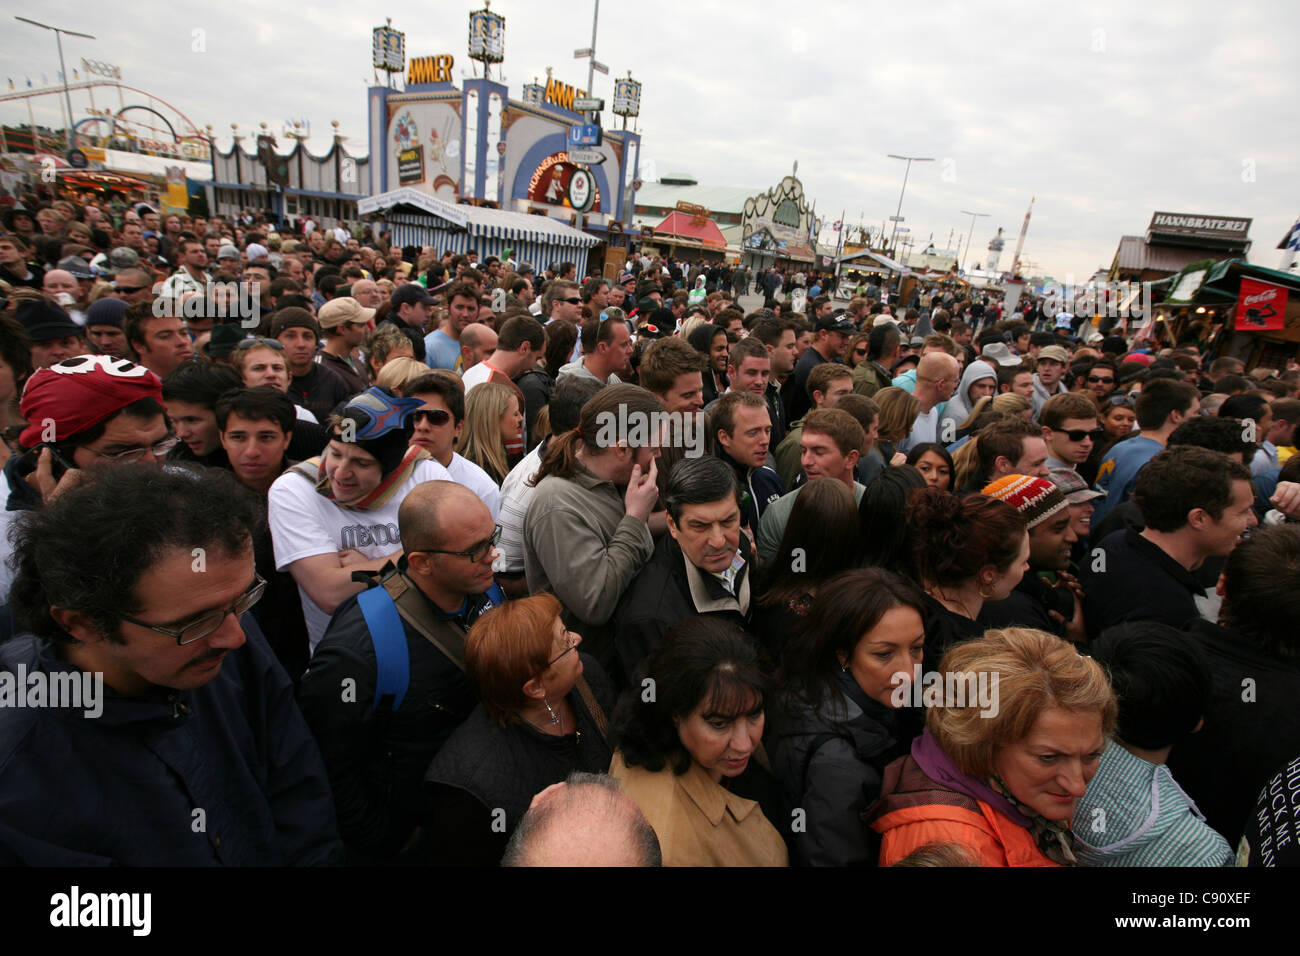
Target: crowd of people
x,y
356,554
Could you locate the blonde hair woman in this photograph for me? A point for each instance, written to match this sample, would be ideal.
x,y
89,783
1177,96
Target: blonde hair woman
x,y
1001,775
400,372
1009,403
492,420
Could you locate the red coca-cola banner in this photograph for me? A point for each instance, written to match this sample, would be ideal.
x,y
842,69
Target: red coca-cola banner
x,y
1261,306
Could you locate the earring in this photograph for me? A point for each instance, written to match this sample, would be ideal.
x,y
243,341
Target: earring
x,y
555,718
983,595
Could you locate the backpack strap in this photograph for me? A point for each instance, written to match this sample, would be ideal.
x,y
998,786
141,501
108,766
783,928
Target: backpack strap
x,y
593,707
414,610
393,661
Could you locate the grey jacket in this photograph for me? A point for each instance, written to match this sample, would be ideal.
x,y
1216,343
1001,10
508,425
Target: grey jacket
x,y
580,544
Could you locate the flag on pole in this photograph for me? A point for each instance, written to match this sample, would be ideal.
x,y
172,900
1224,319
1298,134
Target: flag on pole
x,y
1292,239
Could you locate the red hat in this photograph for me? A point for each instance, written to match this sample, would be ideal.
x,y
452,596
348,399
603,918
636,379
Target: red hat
x,y
79,393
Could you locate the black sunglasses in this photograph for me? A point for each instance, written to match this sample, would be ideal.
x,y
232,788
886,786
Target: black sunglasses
x,y
1124,400
1106,381
573,301
1079,434
129,289
434,416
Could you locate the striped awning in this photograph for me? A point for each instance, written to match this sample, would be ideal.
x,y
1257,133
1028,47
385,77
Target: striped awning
x,y
413,208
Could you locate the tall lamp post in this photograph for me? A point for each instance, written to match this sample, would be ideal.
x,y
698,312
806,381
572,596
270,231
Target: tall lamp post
x,y
898,215
973,217
58,37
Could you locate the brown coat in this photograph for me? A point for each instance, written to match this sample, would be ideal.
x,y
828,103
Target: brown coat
x,y
699,822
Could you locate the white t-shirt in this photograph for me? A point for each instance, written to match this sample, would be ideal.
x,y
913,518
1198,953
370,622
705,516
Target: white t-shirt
x,y
515,496
305,524
465,472
925,430
475,375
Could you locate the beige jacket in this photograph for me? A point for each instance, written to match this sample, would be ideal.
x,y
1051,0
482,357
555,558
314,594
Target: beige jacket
x,y
699,822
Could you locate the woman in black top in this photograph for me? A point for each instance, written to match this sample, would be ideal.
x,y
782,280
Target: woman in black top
x,y
965,551
538,720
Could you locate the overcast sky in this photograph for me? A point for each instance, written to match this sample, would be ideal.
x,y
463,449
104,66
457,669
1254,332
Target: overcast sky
x,y
1103,111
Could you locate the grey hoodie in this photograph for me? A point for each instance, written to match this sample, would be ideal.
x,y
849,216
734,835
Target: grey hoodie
x,y
959,407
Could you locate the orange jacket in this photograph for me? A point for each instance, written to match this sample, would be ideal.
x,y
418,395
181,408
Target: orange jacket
x,y
914,812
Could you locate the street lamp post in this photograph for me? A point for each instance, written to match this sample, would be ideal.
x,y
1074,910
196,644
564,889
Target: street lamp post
x,y
898,215
58,37
973,217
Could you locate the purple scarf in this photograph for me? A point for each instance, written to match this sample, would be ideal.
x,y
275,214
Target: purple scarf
x,y
939,767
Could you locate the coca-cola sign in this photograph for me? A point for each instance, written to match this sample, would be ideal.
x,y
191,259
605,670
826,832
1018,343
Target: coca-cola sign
x,y
1261,306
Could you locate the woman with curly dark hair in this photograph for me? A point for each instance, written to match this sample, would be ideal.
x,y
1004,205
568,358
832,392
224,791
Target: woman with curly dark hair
x,y
965,551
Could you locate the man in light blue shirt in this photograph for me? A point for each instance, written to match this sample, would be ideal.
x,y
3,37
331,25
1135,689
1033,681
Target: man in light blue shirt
x,y
1163,405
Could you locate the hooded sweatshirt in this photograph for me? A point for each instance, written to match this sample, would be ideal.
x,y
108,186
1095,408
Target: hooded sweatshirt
x,y
959,408
1135,814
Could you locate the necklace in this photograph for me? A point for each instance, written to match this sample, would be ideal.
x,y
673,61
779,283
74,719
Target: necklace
x,y
557,718
948,601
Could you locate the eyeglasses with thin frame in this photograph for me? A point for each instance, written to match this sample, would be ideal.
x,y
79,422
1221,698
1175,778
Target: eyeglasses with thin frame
x,y
475,554
569,644
202,626
159,449
1079,434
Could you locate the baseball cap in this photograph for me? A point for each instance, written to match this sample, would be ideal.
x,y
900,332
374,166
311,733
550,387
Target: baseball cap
x,y
256,251
409,294
44,322
123,257
142,208
1071,484
80,392
1035,498
227,252
883,319
1054,353
1092,338
343,309
1001,353
836,323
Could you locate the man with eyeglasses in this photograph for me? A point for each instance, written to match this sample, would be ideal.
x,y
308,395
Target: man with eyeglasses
x,y
186,748
378,739
86,413
1070,428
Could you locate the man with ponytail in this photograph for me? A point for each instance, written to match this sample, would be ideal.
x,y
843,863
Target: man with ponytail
x,y
586,534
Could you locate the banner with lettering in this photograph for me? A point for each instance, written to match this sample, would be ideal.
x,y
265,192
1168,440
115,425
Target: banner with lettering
x,y
1261,306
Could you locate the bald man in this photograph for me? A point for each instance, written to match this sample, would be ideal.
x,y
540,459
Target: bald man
x,y
937,375
367,293
477,341
377,746
585,821
59,282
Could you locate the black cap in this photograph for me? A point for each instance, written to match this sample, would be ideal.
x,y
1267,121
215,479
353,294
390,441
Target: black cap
x,y
44,322
836,323
409,293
